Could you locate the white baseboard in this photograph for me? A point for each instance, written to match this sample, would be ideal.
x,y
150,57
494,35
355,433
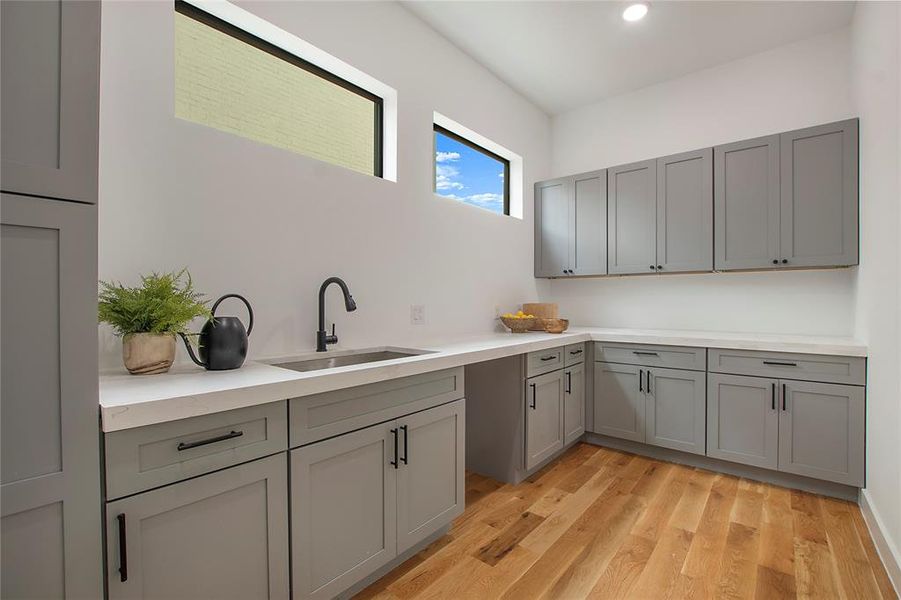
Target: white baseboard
x,y
887,551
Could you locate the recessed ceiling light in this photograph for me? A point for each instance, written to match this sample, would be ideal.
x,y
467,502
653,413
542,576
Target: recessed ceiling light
x,y
635,12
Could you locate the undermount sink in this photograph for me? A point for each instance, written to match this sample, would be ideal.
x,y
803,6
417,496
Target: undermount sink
x,y
317,363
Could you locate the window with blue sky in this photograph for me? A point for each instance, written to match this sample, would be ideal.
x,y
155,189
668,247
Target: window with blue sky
x,y
470,174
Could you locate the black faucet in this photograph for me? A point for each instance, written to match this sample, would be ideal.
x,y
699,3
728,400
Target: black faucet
x,y
323,339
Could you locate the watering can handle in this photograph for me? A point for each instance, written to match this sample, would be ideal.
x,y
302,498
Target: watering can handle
x,y
242,299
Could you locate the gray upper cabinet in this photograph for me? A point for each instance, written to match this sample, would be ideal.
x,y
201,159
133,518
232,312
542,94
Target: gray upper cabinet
x,y
821,431
746,204
223,535
50,98
430,487
588,225
631,218
573,403
685,212
50,494
676,409
571,225
552,227
544,417
619,403
343,509
743,419
819,219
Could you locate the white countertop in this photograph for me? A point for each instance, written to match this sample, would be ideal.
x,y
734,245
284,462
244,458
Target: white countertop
x,y
128,401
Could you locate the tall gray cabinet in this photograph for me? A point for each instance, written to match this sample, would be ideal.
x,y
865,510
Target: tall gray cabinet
x,y
50,493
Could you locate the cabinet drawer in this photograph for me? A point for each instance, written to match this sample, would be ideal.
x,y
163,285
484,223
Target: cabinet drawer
x,y
807,367
544,361
328,414
148,457
674,357
573,354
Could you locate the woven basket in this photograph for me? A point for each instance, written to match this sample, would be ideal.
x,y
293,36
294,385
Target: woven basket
x,y
555,325
518,325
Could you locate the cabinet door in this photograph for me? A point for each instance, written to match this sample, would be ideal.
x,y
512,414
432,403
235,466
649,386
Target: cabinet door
x,y
743,419
50,532
821,431
631,218
222,535
343,509
574,403
50,98
544,417
619,403
676,409
819,196
746,204
430,488
685,212
589,226
552,227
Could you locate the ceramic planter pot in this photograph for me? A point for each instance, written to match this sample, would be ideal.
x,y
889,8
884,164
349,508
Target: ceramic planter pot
x,y
148,353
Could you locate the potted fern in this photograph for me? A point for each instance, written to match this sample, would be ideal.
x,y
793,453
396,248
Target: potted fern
x,y
147,317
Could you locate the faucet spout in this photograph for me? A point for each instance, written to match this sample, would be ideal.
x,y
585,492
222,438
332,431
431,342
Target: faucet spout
x,y
323,339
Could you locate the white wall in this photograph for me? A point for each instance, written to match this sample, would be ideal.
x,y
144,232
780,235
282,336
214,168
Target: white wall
x,y
793,86
271,224
876,64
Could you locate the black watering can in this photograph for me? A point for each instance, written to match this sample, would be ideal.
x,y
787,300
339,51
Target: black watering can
x,y
223,341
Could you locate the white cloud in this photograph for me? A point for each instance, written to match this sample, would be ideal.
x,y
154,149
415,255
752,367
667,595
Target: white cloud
x,y
501,174
446,156
445,178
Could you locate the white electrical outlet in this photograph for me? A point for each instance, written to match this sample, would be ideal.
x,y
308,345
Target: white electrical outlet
x,y
417,314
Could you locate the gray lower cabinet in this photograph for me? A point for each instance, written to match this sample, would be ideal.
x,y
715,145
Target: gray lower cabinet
x,y
50,532
221,535
631,218
544,417
821,431
49,111
818,172
676,409
573,403
619,402
685,212
743,419
360,499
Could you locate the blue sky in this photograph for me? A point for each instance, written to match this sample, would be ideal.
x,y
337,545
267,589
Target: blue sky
x,y
467,175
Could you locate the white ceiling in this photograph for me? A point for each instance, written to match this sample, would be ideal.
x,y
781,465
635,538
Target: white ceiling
x,y
567,54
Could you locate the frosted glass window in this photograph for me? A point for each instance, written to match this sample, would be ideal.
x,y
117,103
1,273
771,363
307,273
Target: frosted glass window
x,y
230,80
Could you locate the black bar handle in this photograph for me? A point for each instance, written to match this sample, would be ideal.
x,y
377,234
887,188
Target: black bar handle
x,y
773,397
648,385
780,363
783,396
219,438
406,445
534,403
123,550
549,357
394,462
569,382
640,375
575,352
642,353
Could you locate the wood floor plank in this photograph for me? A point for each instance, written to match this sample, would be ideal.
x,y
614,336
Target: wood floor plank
x,y
601,523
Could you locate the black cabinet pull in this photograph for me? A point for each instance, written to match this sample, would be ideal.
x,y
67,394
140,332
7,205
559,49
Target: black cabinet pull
x,y
640,375
659,267
575,352
403,459
648,385
534,402
652,267
219,438
783,396
123,550
784,261
569,382
546,358
775,261
780,363
773,401
394,462
644,353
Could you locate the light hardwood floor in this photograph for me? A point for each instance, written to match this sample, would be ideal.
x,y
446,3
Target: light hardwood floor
x,y
600,523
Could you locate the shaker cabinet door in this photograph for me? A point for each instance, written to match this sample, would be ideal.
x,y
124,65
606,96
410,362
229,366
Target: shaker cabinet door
x,y
619,402
676,409
222,535
631,218
589,226
552,227
685,212
743,419
819,196
746,204
574,403
544,417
